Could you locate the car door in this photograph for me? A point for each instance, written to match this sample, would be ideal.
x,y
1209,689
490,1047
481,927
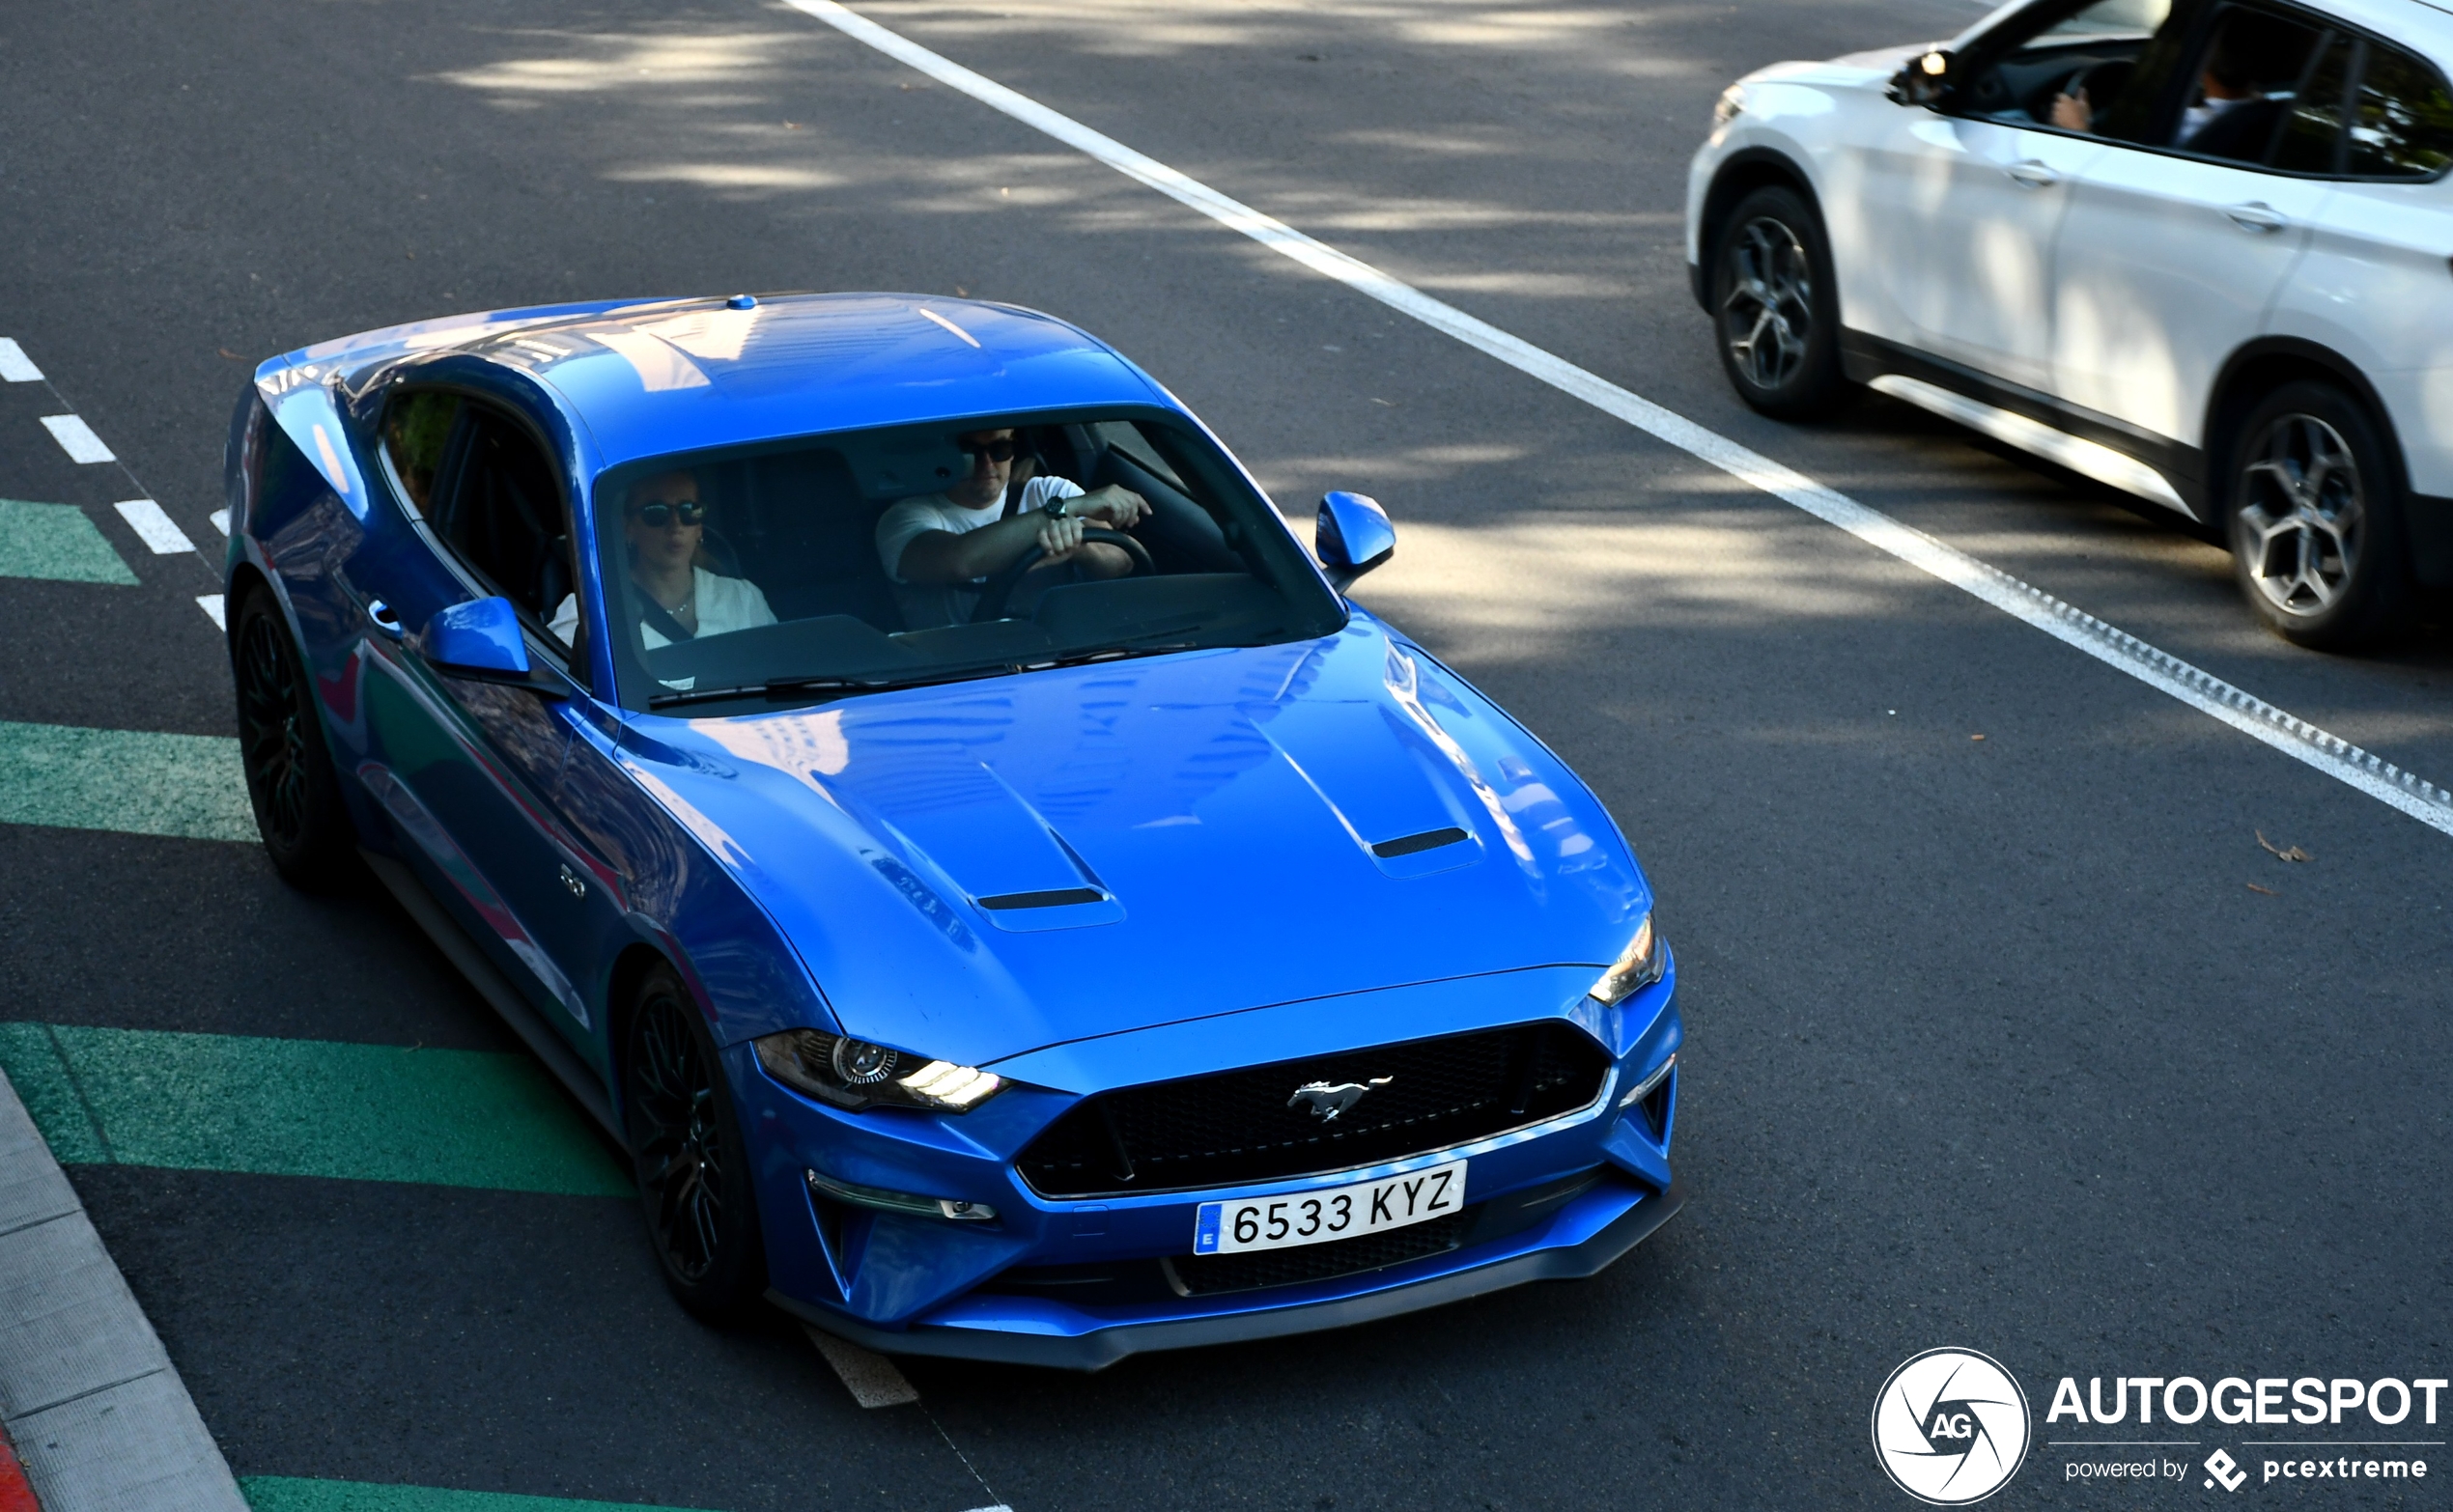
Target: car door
x,y
2171,257
1958,210
470,773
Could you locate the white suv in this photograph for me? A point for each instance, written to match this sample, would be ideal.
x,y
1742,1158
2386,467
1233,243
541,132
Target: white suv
x,y
2196,249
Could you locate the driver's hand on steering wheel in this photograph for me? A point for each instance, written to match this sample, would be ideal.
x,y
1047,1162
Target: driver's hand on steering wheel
x,y
1060,539
2073,112
1115,507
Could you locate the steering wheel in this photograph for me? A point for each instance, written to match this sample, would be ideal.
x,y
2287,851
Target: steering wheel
x,y
999,588
2100,81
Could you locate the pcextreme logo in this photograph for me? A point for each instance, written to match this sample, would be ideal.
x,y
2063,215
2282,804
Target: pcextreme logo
x,y
1950,1427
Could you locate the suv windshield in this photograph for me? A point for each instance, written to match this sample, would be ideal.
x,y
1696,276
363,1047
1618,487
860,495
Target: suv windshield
x,y
873,559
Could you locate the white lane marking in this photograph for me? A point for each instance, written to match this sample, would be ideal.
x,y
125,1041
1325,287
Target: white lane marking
x,y
220,519
872,1379
158,530
211,604
16,366
77,438
2253,716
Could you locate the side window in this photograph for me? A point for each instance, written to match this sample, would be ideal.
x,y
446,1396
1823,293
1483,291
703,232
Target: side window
x,y
416,427
2097,67
2248,77
501,509
2311,139
2402,123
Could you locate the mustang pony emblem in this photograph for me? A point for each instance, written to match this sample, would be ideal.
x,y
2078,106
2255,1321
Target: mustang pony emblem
x,y
1327,1099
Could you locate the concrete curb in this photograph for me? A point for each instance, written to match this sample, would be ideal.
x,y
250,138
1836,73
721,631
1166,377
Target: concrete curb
x,y
100,1419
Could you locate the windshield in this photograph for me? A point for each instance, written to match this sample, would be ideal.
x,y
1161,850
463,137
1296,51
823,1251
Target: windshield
x,y
872,559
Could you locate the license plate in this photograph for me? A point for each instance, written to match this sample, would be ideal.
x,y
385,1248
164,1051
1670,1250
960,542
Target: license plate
x,y
1317,1217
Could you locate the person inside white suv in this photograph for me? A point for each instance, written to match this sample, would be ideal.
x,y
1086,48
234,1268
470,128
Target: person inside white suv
x,y
2216,125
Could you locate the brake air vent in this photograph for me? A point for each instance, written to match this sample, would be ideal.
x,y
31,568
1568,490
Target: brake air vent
x,y
1051,898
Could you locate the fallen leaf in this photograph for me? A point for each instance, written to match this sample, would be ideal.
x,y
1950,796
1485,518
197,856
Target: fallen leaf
x,y
2267,892
960,292
1976,736
232,355
2288,853
792,126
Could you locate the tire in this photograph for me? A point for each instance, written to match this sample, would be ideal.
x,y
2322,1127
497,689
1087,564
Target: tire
x,y
692,1165
1776,306
2314,518
291,783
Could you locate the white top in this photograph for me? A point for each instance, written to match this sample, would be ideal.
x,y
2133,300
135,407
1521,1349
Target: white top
x,y
2198,117
725,604
927,604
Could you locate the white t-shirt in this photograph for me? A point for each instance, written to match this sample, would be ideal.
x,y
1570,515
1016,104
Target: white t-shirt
x,y
2198,117
725,604
928,605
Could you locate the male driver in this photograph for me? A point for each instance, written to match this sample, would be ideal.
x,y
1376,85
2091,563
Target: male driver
x,y
939,547
2226,85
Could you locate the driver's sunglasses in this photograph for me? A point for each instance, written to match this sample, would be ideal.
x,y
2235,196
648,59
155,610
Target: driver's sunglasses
x,y
659,515
999,449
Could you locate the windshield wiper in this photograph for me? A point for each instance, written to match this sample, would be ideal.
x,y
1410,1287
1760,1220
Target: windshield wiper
x,y
798,686
1108,653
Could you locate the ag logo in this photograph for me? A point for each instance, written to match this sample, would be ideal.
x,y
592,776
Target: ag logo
x,y
1951,1427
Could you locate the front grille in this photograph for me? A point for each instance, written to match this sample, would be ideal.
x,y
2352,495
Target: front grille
x,y
1206,1276
1236,1126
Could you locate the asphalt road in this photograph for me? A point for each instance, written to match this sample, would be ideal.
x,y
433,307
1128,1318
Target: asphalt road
x,y
1992,1043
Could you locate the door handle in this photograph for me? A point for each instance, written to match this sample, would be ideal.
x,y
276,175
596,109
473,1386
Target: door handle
x,y
385,619
2032,174
2257,217
571,884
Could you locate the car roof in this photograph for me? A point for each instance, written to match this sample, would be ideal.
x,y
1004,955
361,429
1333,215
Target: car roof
x,y
651,379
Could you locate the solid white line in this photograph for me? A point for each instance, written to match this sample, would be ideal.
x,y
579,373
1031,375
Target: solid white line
x,y
16,366
211,604
2117,649
158,530
220,519
871,1378
77,438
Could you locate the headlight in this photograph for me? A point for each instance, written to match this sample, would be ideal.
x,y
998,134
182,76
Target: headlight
x,y
855,1075
1638,966
1730,106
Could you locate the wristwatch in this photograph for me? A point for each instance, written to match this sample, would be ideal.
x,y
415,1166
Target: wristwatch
x,y
1054,509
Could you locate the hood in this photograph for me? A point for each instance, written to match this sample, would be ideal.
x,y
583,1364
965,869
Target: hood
x,y
975,871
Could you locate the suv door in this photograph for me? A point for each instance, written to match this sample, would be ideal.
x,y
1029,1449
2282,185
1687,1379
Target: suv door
x,y
1961,209
2171,255
470,773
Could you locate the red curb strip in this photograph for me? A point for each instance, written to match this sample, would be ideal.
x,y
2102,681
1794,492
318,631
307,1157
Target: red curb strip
x,y
15,1496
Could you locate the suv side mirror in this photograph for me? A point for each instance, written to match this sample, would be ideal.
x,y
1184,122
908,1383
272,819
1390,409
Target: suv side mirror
x,y
480,640
1352,537
1927,79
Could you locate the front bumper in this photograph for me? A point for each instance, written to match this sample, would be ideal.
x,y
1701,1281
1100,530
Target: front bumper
x,y
1612,1218
1009,1288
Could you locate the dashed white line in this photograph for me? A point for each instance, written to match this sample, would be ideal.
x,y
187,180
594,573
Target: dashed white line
x,y
156,528
16,366
77,439
211,604
871,1378
2253,716
220,519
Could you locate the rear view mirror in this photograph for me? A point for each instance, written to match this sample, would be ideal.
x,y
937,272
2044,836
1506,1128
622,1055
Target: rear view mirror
x,y
1926,80
1353,536
480,640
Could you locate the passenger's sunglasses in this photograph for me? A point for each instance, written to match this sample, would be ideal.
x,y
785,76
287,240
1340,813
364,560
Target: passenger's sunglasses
x,y
656,516
999,449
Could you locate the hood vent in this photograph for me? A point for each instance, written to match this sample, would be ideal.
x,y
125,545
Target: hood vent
x,y
1051,898
1407,845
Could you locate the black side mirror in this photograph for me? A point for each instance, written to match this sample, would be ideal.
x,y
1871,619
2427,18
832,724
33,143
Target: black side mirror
x,y
1927,80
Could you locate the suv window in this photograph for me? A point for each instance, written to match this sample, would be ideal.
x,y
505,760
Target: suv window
x,y
2402,126
2311,139
2248,76
2118,54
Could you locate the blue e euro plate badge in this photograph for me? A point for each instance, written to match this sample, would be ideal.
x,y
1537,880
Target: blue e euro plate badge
x,y
1206,1228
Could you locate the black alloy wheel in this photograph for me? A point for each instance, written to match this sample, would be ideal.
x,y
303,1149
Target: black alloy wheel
x,y
687,1150
2315,521
291,784
1775,306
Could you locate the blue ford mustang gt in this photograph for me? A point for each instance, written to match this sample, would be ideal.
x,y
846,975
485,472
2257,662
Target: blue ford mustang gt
x,y
901,772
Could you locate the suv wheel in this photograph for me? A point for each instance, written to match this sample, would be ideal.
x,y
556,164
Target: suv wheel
x,y
1774,305
2315,518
